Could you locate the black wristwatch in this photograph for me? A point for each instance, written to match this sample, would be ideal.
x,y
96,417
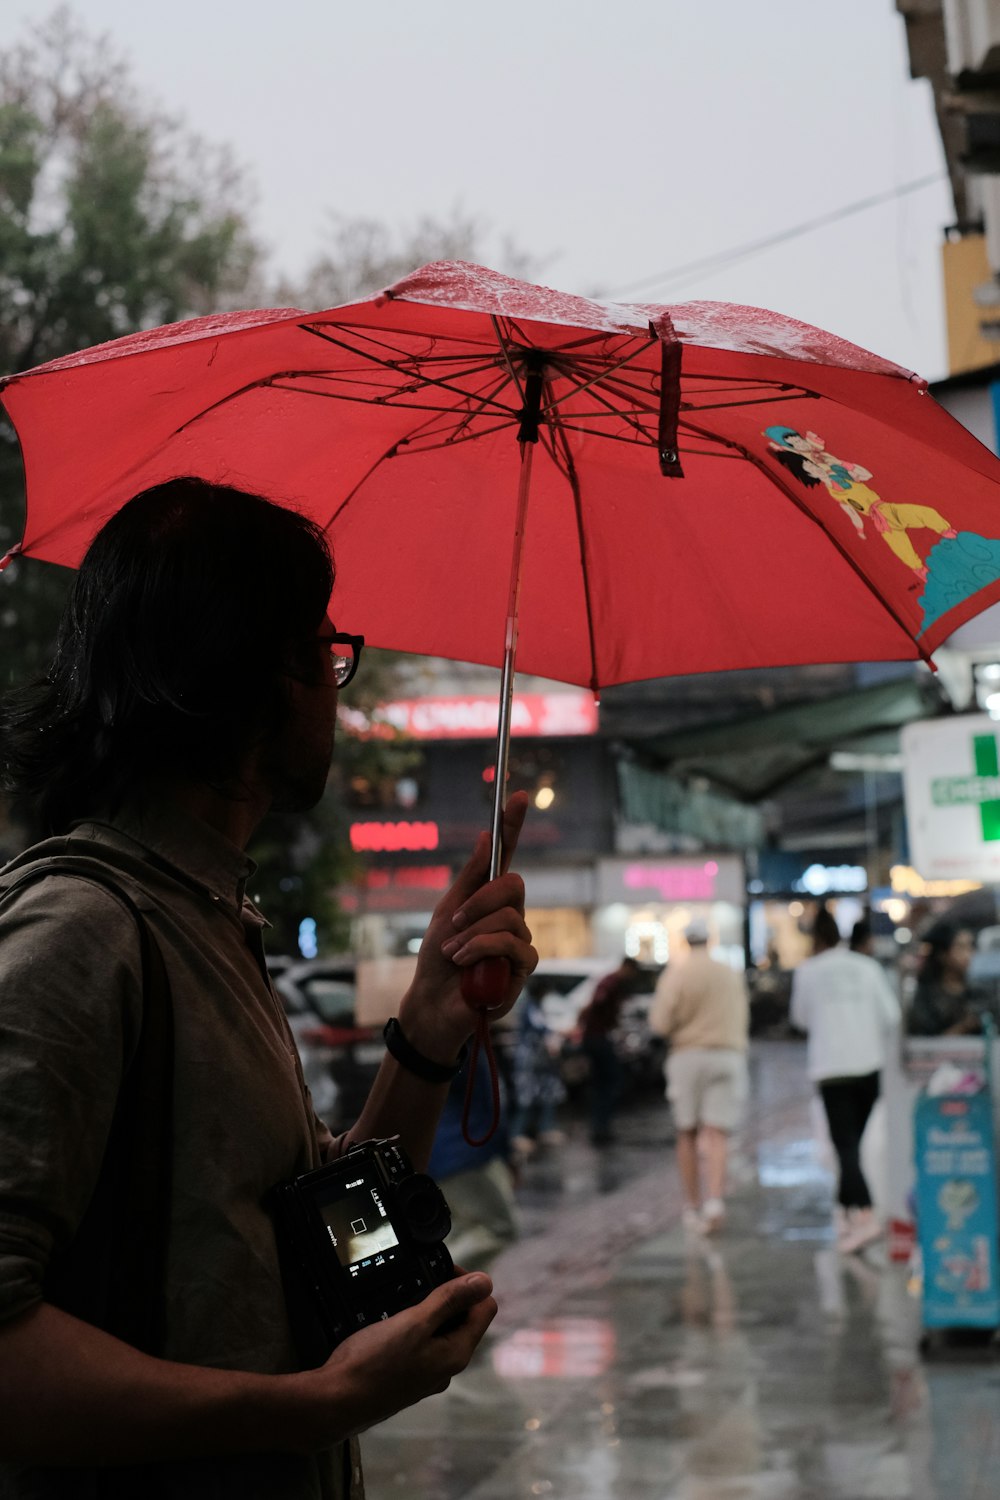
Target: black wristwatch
x,y
415,1062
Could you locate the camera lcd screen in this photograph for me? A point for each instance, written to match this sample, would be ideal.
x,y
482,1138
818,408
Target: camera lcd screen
x,y
359,1227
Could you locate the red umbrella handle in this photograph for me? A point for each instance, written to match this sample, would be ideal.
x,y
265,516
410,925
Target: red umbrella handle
x,y
484,984
484,988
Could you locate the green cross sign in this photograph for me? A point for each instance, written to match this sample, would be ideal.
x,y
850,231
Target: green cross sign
x,y
982,788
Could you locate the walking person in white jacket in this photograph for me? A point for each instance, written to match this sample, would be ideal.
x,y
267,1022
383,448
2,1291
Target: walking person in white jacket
x,y
846,1004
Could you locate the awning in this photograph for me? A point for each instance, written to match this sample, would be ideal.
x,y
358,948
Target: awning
x,y
752,757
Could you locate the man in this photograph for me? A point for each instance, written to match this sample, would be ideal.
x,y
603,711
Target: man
x,y
702,1007
194,688
597,1022
846,1004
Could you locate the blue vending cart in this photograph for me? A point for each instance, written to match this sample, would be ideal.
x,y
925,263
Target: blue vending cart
x,y
957,1210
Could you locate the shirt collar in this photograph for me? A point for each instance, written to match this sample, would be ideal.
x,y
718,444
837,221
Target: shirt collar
x,y
194,848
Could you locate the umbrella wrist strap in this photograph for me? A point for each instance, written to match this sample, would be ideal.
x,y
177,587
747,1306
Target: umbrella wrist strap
x,y
481,1042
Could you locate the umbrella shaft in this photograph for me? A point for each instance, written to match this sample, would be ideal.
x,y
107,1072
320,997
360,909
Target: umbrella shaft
x,y
509,656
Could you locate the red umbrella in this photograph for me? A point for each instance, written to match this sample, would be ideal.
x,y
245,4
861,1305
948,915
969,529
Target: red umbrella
x,y
714,486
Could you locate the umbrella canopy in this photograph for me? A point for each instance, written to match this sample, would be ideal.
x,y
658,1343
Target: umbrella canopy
x,y
713,487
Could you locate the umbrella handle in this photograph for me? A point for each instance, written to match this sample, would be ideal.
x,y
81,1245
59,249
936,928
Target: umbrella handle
x,y
484,988
484,984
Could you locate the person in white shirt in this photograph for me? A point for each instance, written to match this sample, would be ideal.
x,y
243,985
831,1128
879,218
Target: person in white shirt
x,y
845,1003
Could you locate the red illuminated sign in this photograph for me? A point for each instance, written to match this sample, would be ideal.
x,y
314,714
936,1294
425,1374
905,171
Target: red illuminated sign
x,y
402,888
381,838
475,718
410,877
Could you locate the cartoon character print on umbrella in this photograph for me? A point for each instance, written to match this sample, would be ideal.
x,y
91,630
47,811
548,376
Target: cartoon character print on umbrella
x,y
957,563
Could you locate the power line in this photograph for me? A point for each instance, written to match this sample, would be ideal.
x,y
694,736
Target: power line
x,y
739,252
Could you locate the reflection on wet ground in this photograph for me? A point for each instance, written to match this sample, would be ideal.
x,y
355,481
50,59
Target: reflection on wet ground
x,y
630,1360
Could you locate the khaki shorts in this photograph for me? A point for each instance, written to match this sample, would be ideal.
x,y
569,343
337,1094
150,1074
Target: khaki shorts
x,y
707,1086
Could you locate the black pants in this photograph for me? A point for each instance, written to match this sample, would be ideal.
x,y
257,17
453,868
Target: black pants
x,y
848,1103
605,1085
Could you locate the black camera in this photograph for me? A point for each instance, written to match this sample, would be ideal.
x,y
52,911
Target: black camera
x,y
359,1239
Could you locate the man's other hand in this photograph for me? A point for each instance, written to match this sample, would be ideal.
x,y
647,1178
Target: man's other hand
x,y
393,1364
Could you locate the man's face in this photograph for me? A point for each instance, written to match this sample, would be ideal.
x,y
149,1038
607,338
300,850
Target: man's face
x,y
297,762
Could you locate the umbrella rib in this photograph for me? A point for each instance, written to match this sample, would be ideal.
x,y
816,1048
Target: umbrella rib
x,y
629,418
779,483
506,357
601,375
391,365
273,382
358,373
622,390
643,440
397,404
475,400
367,336
753,385
404,443
756,401
471,415
568,468
390,452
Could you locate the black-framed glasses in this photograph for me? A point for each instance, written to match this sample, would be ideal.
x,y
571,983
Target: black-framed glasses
x,y
345,653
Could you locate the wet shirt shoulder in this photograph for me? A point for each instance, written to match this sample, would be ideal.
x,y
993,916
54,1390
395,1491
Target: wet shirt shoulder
x,y
70,1012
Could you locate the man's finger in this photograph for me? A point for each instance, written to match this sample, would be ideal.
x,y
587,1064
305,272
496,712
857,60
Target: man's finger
x,y
471,876
475,871
455,1297
513,820
505,920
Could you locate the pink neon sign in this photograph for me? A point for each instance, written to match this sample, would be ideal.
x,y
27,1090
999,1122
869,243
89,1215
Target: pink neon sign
x,y
674,882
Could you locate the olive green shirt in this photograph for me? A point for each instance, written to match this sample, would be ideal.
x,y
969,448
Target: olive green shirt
x,y
70,1003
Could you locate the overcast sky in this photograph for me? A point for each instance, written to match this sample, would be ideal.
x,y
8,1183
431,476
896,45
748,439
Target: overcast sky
x,y
614,139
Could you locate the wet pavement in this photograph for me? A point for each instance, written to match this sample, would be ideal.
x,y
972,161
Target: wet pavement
x,y
632,1360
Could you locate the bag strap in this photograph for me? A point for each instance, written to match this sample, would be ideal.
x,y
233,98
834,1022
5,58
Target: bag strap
x,y
113,1274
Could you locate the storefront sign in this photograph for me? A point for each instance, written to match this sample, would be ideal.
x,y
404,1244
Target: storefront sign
x,y
957,1211
475,718
379,838
671,880
832,880
906,882
402,888
951,779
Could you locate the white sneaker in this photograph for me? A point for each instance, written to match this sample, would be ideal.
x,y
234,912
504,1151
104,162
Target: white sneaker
x,y
864,1230
692,1221
713,1214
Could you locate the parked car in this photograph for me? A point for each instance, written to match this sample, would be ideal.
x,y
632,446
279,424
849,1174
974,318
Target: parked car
x,y
569,985
339,1057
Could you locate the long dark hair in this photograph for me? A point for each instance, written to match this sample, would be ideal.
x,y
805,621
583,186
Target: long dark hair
x,y
191,602
937,942
824,928
796,463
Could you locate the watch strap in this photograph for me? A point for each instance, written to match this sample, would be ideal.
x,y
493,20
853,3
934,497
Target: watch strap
x,y
413,1061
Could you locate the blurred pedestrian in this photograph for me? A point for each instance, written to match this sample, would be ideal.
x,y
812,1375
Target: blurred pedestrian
x,y
477,1181
944,1002
701,1006
597,1023
862,938
846,1005
538,1088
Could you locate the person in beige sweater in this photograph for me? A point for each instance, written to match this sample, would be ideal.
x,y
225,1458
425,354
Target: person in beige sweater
x,y
702,1008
